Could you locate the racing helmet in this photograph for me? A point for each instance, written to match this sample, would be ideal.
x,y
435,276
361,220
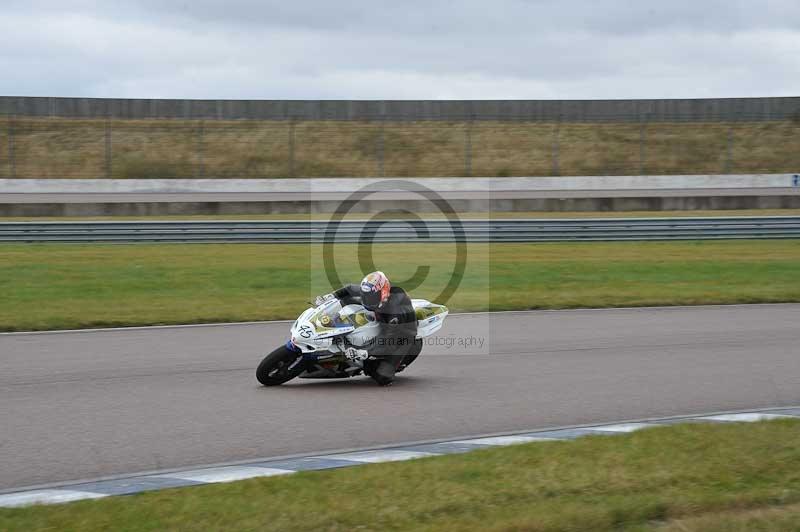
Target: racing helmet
x,y
375,290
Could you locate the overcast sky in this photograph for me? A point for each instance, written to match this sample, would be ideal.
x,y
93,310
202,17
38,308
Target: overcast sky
x,y
403,49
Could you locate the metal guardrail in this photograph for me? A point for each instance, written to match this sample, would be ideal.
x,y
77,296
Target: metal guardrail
x,y
305,231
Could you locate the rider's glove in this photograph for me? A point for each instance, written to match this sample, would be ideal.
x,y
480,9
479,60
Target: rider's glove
x,y
356,355
319,300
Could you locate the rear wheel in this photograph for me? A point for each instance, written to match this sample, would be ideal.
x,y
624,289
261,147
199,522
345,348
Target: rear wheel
x,y
279,366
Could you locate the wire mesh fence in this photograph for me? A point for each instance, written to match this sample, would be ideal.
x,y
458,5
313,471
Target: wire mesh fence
x,y
199,148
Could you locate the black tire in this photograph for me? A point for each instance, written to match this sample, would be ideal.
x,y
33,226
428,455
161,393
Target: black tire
x,y
274,369
411,356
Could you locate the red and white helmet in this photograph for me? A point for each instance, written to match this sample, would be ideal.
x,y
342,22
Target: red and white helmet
x,y
375,290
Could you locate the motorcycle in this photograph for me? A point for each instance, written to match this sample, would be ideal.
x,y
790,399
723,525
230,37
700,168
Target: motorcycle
x,y
321,335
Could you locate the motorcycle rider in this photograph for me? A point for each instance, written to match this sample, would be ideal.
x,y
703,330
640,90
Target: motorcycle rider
x,y
398,324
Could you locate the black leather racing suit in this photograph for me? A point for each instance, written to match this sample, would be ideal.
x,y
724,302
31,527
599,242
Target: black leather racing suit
x,y
398,329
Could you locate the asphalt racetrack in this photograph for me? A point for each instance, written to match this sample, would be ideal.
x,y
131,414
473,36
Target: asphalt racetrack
x,y
78,405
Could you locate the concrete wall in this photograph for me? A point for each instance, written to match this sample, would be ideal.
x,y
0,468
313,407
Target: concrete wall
x,y
619,204
566,110
133,197
438,184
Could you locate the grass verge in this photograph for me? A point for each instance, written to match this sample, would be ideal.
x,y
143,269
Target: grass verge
x,y
682,477
120,149
78,286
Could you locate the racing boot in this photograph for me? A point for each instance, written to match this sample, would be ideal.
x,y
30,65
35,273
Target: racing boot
x,y
381,371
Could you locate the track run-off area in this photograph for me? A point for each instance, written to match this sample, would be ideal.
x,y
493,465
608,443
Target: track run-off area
x,y
88,404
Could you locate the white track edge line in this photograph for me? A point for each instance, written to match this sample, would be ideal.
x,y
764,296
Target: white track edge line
x,y
475,313
324,453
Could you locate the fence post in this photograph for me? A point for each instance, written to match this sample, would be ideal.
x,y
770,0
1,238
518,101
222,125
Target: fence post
x,y
291,147
468,148
201,170
381,150
642,143
12,164
108,147
729,152
557,146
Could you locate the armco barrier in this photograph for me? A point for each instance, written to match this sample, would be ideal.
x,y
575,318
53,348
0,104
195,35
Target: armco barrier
x,y
301,231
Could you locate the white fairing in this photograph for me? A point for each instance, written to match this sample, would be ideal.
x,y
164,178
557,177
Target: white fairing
x,y
318,328
430,324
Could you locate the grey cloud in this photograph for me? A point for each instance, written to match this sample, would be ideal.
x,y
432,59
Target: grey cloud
x,y
412,16
411,49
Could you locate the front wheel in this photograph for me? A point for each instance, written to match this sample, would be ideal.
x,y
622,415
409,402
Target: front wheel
x,y
279,366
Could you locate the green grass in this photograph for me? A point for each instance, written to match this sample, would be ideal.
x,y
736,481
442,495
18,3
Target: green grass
x,y
70,148
683,477
76,286
781,518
